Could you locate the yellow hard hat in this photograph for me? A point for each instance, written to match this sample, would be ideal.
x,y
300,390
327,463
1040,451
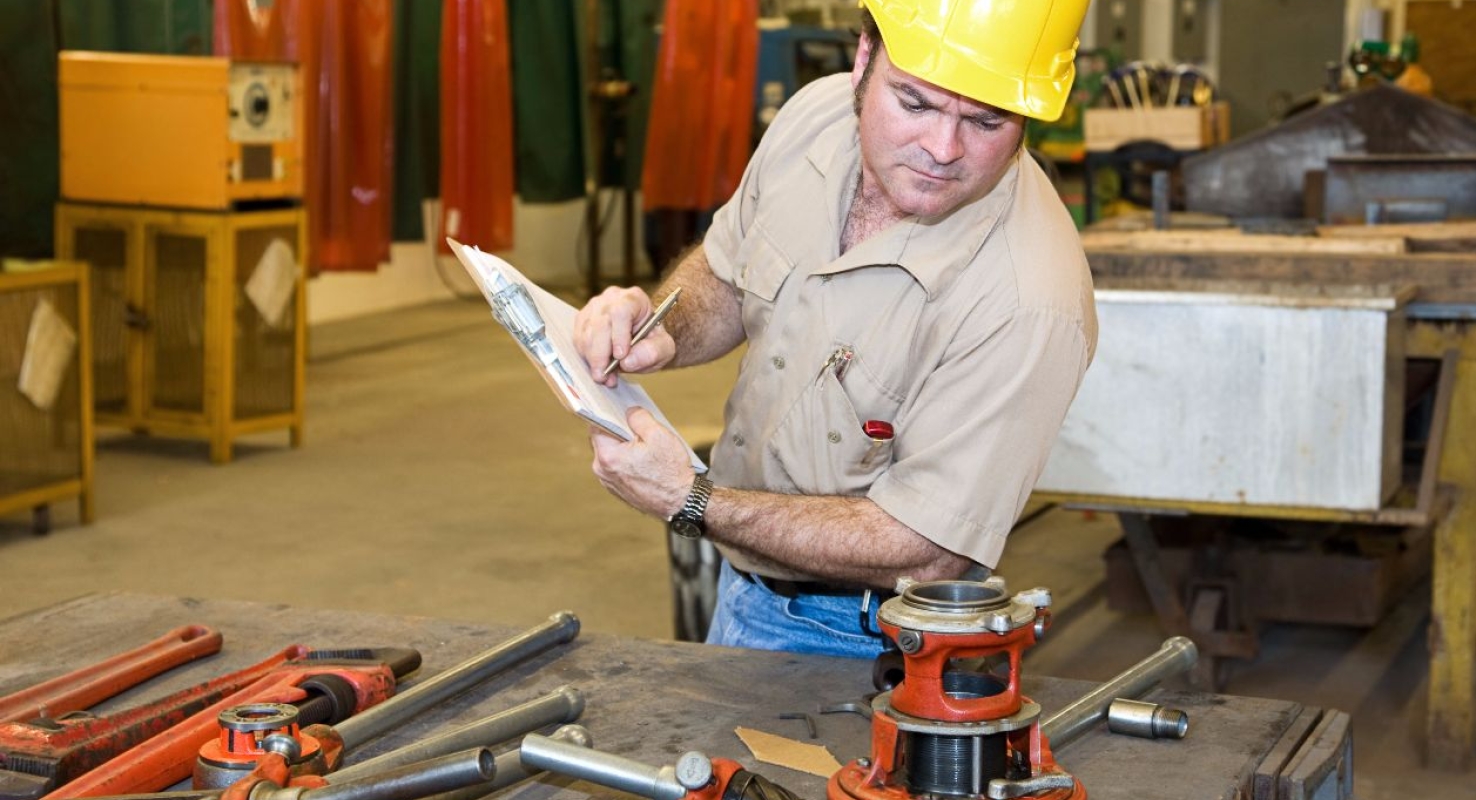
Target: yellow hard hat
x,y
1019,55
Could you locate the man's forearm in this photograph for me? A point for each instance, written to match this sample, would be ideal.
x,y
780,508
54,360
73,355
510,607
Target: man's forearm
x,y
708,321
841,539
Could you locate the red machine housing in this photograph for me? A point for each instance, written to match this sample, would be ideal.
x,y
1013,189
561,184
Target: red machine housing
x,y
954,723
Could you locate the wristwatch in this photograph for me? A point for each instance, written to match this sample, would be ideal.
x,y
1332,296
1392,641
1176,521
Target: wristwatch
x,y
687,522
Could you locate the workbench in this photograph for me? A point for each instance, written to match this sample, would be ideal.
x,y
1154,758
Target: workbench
x,y
654,700
1441,324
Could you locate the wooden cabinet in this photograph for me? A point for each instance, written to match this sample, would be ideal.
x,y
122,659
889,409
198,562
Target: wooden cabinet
x,y
200,318
46,446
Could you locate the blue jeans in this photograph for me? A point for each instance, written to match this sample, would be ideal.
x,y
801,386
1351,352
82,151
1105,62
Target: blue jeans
x,y
749,615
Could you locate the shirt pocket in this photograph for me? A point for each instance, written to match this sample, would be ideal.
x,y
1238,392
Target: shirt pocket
x,y
762,270
820,447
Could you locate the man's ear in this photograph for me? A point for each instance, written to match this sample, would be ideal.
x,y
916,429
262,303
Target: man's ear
x,y
864,52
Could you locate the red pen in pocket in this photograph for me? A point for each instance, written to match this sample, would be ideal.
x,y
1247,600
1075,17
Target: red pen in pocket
x,y
879,432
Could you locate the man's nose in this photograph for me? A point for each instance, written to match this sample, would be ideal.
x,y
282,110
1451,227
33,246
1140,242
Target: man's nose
x,y
942,141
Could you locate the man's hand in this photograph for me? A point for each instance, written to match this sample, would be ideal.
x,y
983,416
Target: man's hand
x,y
603,330
652,473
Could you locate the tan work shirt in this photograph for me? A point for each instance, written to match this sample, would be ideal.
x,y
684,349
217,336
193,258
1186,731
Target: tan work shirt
x,y
969,334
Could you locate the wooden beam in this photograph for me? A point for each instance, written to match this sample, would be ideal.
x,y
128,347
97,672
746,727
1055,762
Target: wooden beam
x,y
1233,241
1442,278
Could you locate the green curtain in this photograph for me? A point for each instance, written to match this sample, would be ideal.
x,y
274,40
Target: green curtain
x,y
29,172
548,110
168,27
417,113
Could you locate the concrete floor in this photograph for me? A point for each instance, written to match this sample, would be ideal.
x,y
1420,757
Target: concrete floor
x,y
439,478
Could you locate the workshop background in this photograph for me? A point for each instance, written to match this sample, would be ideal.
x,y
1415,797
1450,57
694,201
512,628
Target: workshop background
x,y
237,361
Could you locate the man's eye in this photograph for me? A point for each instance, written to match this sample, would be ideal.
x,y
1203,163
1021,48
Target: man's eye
x,y
915,108
988,124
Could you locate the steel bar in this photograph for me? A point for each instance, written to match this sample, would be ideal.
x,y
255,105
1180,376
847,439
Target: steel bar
x,y
405,783
564,704
604,769
394,712
1175,656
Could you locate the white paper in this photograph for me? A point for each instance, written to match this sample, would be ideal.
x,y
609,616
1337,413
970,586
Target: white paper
x,y
50,345
570,378
273,282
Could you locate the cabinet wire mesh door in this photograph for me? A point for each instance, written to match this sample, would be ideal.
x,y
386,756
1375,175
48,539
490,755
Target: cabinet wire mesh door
x,y
45,421
201,315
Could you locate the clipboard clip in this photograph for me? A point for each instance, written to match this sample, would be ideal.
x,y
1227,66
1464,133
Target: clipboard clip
x,y
514,308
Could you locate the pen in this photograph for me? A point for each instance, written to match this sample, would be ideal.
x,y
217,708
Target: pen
x,y
650,325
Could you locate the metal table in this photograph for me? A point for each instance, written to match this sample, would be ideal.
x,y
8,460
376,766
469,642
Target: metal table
x,y
654,700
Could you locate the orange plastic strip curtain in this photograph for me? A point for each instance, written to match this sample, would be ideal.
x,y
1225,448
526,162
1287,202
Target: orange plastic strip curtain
x,y
343,50
476,124
701,104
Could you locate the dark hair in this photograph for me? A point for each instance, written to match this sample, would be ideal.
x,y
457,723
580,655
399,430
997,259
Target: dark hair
x,y
872,32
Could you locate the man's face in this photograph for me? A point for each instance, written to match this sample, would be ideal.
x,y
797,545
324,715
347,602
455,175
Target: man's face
x,y
926,149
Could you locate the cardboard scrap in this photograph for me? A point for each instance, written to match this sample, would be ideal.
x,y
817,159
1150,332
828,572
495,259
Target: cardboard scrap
x,y
777,750
273,282
50,345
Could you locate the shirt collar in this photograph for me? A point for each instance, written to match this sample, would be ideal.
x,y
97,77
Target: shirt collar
x,y
933,251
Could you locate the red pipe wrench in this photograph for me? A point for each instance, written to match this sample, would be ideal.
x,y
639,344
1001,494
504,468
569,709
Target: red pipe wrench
x,y
327,686
91,685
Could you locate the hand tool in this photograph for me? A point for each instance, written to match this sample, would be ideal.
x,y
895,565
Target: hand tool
x,y
809,721
330,685
322,747
41,754
1176,655
88,686
694,777
954,725
648,326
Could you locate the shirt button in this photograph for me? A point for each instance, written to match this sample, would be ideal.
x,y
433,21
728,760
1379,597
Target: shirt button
x,y
826,278
778,362
738,440
834,437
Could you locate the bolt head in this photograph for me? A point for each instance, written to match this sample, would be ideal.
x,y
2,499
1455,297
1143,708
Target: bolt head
x,y
694,770
863,763
909,641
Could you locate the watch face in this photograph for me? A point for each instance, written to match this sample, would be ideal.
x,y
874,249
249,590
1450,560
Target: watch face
x,y
685,528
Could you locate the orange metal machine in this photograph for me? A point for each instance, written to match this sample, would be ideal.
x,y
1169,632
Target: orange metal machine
x,y
178,131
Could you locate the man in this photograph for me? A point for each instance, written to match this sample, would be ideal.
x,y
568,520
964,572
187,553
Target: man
x,y
918,313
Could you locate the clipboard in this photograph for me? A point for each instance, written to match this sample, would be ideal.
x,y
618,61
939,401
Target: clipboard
x,y
543,326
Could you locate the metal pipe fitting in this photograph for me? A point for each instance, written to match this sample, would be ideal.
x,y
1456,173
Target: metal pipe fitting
x,y
1176,656
404,783
394,712
510,769
604,769
1146,720
564,704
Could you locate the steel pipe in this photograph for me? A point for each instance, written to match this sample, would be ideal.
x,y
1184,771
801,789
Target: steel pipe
x,y
510,769
1146,720
404,783
564,704
1176,655
394,712
605,769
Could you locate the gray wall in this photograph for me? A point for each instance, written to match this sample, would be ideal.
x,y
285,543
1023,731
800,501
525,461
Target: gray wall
x,y
1273,52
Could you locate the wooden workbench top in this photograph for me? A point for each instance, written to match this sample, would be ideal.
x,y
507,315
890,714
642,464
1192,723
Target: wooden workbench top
x,y
647,700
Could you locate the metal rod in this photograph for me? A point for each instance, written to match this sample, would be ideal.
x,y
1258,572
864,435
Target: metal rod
x,y
405,783
564,704
394,712
510,769
604,769
1176,656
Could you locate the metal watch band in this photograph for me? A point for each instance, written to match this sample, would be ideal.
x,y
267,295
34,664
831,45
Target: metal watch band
x,y
696,505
